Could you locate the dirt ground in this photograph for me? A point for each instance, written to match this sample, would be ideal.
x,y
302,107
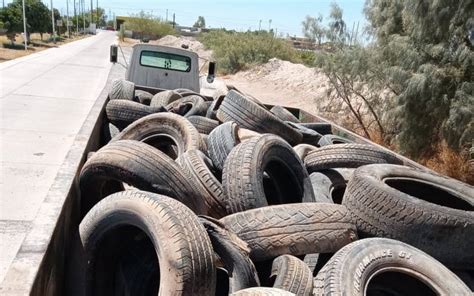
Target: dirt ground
x,y
7,54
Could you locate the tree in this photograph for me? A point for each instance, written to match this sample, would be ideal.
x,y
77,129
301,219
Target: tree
x,y
313,28
37,16
336,32
200,23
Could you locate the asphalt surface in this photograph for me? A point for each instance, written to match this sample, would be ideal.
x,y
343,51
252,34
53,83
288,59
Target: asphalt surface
x,y
44,99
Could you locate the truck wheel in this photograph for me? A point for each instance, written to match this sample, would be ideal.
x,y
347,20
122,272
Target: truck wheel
x,y
284,114
250,114
333,139
262,291
203,124
220,142
292,275
121,113
138,165
330,185
143,97
321,127
293,229
235,256
347,156
303,149
187,106
162,99
122,90
179,246
197,167
431,212
244,169
170,133
379,266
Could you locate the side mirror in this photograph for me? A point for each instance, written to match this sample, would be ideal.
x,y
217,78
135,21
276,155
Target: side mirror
x,y
113,53
212,72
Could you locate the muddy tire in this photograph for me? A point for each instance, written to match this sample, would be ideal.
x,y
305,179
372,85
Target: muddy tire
x,y
243,176
212,110
347,156
430,212
235,255
262,291
122,90
167,132
303,149
310,136
121,113
250,114
386,267
164,98
292,275
204,125
182,247
198,167
294,229
330,185
220,142
188,106
284,114
138,165
332,140
143,97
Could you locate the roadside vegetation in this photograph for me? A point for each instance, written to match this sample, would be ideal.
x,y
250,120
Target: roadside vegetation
x,y
148,25
407,80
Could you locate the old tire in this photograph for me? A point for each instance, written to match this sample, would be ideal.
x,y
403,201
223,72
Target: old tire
x,y
294,229
310,136
430,212
212,110
386,267
188,106
164,98
198,167
143,97
292,275
284,114
182,247
262,291
243,175
204,125
321,127
250,114
138,165
220,142
347,156
332,140
330,185
122,90
303,149
121,113
167,132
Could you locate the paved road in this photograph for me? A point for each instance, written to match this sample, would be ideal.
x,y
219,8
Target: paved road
x,y
44,100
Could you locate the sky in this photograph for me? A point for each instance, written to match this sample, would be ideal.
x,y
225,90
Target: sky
x,y
286,16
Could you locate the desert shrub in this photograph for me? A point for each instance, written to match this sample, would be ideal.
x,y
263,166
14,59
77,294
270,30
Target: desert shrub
x,y
146,23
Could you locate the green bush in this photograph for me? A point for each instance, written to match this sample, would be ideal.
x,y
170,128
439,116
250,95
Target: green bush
x,y
235,51
148,24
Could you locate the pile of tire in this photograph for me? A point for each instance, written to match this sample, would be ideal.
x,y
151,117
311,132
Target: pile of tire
x,y
200,196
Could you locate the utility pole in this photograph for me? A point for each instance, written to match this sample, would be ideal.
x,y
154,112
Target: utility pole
x,y
52,21
269,24
173,20
83,17
24,26
76,18
67,19
166,15
90,14
97,11
260,25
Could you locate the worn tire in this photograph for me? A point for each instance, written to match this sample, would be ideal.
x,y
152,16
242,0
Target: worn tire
x,y
262,291
352,269
321,127
284,114
303,149
188,106
243,175
330,185
294,229
138,165
333,140
347,156
143,97
164,98
235,255
203,124
212,110
122,90
159,129
250,114
181,244
310,136
292,275
198,167
121,113
220,142
430,212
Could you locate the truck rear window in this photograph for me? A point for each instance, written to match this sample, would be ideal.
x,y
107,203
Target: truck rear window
x,y
165,60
